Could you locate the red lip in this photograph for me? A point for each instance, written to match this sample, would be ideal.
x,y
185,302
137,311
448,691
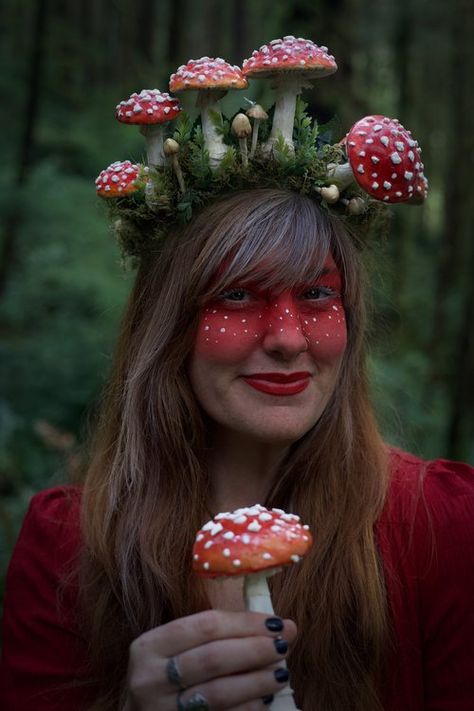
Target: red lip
x,y
279,383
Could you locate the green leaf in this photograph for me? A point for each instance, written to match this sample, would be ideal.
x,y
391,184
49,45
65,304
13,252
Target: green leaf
x,y
183,128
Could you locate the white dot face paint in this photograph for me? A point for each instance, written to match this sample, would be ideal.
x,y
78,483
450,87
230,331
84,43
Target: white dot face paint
x,y
286,334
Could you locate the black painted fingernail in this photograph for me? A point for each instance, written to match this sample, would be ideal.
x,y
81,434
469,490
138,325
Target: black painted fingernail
x,y
267,699
281,646
274,624
281,675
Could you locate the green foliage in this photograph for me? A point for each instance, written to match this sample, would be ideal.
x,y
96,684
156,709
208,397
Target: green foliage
x,y
183,128
305,134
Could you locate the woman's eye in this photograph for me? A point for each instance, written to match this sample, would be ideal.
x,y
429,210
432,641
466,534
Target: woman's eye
x,y
318,292
234,295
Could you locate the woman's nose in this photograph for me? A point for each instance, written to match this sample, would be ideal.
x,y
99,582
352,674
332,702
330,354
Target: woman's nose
x,y
284,334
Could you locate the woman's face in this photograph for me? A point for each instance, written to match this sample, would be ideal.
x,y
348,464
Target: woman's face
x,y
265,362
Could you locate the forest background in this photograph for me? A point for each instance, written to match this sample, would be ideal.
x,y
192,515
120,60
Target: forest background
x,y
67,63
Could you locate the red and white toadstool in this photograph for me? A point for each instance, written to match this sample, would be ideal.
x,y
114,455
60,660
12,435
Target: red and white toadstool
x,y
290,62
212,78
384,159
150,109
120,179
254,542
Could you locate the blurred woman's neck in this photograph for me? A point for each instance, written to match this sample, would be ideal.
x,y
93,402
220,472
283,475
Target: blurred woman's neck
x,y
242,469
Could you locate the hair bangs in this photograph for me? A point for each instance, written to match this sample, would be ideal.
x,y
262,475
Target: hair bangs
x,y
282,245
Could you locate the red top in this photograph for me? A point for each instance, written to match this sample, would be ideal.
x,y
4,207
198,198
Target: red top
x,y
429,568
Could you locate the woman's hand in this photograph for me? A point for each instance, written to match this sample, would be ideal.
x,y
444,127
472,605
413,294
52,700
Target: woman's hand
x,y
231,659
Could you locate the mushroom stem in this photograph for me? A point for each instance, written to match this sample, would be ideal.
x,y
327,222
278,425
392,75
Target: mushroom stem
x,y
213,140
257,599
253,147
179,173
171,150
154,144
243,151
286,91
341,175
257,594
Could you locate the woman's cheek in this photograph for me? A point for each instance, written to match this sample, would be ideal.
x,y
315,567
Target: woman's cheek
x,y
326,332
227,336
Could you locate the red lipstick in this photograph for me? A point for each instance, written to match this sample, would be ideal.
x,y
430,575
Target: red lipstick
x,y
279,383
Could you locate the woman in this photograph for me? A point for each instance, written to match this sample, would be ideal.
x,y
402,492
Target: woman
x,y
240,377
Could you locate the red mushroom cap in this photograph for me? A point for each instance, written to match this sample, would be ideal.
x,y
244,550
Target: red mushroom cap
x,y
118,180
295,56
249,540
386,161
207,73
150,106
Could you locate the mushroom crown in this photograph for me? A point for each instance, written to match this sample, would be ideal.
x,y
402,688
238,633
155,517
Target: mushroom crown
x,y
295,56
150,106
249,540
207,73
119,179
386,160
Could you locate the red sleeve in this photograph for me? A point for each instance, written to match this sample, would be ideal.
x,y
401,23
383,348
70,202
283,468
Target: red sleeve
x,y
445,552
44,655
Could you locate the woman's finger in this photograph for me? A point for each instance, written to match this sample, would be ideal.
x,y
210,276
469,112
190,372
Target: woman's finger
x,y
229,656
187,632
234,691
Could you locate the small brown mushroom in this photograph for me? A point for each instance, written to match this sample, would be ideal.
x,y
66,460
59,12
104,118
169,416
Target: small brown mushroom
x,y
171,150
357,206
242,129
258,114
329,194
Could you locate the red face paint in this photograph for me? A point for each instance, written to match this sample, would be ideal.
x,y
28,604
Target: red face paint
x,y
245,317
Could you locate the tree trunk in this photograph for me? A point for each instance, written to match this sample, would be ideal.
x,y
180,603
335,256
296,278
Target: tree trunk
x,y
12,224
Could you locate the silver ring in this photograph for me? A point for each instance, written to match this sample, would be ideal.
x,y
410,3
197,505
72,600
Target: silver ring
x,y
173,674
196,702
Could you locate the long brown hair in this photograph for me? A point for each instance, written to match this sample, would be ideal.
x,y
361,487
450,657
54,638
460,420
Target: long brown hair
x,y
146,487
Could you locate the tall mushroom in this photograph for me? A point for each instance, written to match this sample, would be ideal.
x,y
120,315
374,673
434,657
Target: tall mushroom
x,y
150,109
212,78
258,114
254,542
290,63
243,130
384,160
